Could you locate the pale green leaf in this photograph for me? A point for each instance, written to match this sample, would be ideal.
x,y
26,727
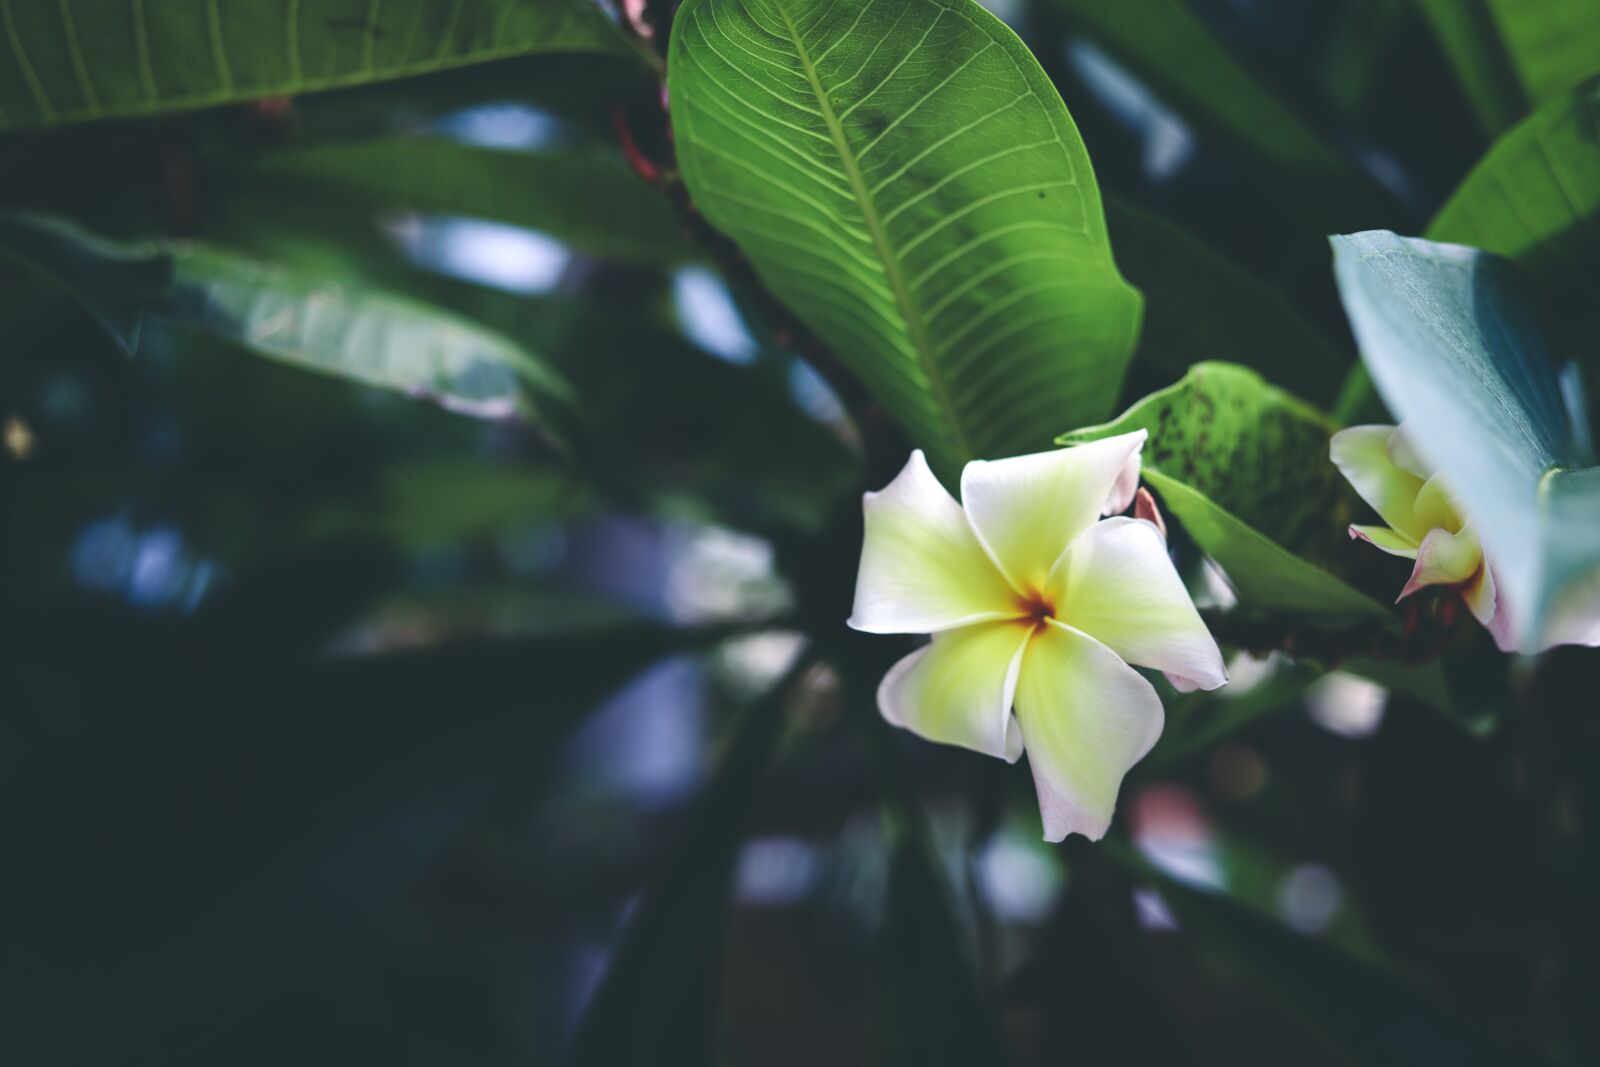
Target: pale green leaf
x,y
904,176
95,59
313,322
1458,357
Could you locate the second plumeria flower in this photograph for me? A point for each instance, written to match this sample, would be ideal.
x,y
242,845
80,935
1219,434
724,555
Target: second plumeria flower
x,y
1037,609
1424,522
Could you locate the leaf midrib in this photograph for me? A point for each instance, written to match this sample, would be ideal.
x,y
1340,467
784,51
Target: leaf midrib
x,y
880,240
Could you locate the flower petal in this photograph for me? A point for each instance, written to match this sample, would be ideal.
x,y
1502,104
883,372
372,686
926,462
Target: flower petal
x,y
1434,509
1362,455
1396,544
1117,584
958,690
1445,558
1402,455
922,569
1027,509
1086,718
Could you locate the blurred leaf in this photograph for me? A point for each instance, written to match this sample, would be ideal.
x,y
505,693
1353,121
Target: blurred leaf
x,y
659,1000
1171,50
1471,40
124,279
1554,44
1360,1010
94,59
1244,466
231,833
908,181
589,202
1359,50
1197,721
1456,354
1535,199
1200,304
309,321
934,1010
372,337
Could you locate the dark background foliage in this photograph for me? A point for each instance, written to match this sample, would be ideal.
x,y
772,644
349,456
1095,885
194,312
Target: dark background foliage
x,y
339,728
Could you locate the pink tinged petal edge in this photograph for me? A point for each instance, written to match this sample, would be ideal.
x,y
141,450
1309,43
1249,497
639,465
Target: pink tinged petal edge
x,y
922,570
1488,607
1117,584
1025,510
1385,540
1086,719
959,689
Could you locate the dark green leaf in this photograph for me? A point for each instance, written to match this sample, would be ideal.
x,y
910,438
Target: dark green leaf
x,y
125,279
905,177
1200,304
592,203
658,1002
1170,49
1471,41
94,59
1456,354
1535,199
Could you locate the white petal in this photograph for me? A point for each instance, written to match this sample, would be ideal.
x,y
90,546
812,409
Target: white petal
x,y
1027,509
1362,455
1086,718
922,569
958,690
1402,455
1117,584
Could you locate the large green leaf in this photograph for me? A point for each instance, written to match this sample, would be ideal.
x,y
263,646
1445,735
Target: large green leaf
x,y
95,59
312,322
1244,466
905,177
1200,304
1535,199
1457,355
592,203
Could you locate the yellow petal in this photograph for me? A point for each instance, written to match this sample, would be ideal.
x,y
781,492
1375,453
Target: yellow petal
x,y
958,690
1117,584
1087,717
1362,455
1027,509
922,569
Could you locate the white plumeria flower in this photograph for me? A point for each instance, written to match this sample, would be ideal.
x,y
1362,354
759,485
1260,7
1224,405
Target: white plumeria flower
x,y
1424,522
1033,604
